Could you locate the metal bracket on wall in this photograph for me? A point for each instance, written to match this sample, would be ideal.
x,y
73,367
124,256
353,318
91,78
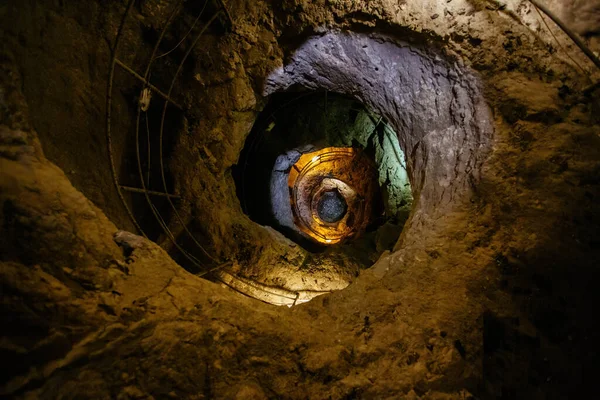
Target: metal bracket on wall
x,y
152,192
146,83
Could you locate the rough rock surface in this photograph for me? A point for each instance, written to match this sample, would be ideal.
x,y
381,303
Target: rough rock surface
x,y
437,111
496,298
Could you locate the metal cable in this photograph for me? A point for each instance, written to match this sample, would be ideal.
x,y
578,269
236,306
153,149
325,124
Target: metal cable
x,y
556,40
184,37
568,31
157,215
162,123
144,78
111,75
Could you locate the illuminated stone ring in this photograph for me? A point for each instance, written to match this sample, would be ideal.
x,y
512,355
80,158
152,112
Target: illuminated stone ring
x,y
332,192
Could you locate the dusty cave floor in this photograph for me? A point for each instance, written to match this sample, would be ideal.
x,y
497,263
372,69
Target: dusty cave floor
x,y
496,300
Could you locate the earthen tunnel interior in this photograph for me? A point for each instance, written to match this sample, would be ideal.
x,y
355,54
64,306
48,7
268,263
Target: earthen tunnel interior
x,y
324,199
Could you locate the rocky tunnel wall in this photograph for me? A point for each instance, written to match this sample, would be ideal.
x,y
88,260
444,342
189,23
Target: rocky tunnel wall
x,y
496,300
437,108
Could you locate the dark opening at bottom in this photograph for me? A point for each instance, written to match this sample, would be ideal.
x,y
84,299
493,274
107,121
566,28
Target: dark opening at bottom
x,y
308,124
332,207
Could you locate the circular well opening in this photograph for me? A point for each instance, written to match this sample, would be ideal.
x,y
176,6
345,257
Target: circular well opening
x,y
331,206
304,141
